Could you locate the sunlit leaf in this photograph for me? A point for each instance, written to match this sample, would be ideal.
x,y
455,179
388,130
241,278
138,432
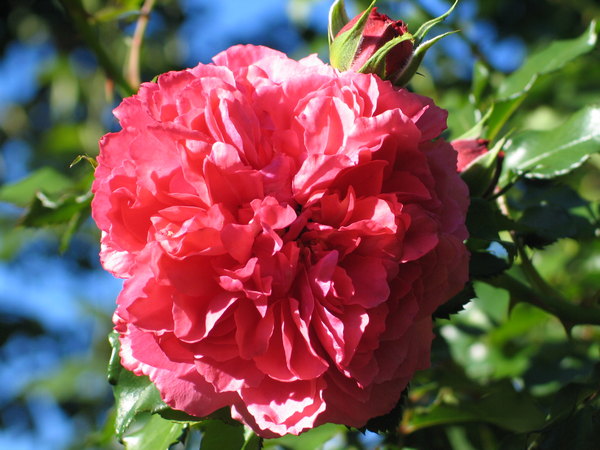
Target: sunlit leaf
x,y
514,89
134,395
314,438
114,363
546,154
155,433
551,58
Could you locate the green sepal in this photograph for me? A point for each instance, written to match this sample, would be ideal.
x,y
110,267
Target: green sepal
x,y
482,173
343,48
421,47
376,63
424,29
417,57
337,19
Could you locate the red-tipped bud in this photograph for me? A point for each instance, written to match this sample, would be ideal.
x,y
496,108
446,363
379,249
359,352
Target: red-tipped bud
x,y
379,30
468,150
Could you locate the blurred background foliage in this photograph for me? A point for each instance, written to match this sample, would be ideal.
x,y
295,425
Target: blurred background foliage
x,y
504,374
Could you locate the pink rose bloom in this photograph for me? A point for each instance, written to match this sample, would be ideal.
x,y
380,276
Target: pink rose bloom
x,y
285,232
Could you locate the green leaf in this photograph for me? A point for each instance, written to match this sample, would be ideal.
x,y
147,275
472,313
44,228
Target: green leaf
x,y
337,19
440,415
551,58
251,440
70,209
114,363
567,399
156,433
547,154
134,395
477,130
481,76
509,409
484,219
314,438
72,226
489,257
456,303
580,431
500,113
532,192
217,435
45,211
111,13
514,89
137,395
501,405
181,416
542,225
46,179
64,138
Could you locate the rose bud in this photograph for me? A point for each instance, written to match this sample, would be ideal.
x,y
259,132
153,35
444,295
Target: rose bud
x,y
374,43
468,150
378,31
478,165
